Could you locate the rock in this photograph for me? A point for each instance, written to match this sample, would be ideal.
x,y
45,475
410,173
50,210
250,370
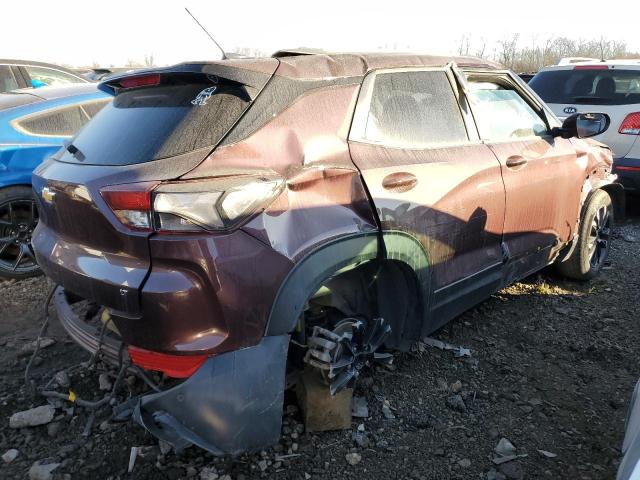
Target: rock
x,y
386,411
104,382
629,238
439,452
547,454
209,473
42,472
353,458
53,429
505,448
62,379
30,418
493,475
360,438
10,455
493,432
455,402
526,408
464,463
456,387
535,402
191,472
359,408
512,470
165,447
29,348
262,465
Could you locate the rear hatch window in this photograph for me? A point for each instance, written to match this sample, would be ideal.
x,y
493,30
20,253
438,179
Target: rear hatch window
x,y
596,85
181,114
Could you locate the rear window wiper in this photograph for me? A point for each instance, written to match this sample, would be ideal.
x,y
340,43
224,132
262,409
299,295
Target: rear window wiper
x,y
73,150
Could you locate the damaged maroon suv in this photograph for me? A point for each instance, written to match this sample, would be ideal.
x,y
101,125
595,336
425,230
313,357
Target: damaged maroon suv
x,y
234,222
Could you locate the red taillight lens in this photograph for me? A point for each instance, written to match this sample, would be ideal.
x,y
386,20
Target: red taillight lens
x,y
631,124
175,366
142,81
119,200
131,203
591,67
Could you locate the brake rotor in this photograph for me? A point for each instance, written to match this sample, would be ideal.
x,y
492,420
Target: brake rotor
x,y
340,354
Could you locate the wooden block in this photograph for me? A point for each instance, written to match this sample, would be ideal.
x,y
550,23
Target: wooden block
x,y
321,410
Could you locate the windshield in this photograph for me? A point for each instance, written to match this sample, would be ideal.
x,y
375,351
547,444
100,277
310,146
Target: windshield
x,y
588,86
151,123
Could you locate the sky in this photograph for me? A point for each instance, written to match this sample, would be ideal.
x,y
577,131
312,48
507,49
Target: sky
x,y
82,33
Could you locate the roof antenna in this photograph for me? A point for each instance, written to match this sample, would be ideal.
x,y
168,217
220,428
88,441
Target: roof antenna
x,y
224,55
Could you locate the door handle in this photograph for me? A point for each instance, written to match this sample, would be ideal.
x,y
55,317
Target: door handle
x,y
399,182
515,161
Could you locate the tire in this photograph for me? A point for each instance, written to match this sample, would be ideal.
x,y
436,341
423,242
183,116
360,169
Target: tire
x,y
18,218
594,239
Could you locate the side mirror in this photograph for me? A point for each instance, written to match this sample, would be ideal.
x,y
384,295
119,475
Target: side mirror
x,y
583,125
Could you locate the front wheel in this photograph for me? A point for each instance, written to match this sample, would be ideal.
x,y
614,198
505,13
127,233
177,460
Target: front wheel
x,y
594,239
18,218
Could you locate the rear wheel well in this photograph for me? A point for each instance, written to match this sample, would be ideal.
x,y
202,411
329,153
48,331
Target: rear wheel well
x,y
377,288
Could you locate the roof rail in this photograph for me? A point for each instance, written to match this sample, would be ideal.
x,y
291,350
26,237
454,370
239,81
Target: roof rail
x,y
570,60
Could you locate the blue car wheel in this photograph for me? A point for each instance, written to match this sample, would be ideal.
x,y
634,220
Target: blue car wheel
x,y
18,218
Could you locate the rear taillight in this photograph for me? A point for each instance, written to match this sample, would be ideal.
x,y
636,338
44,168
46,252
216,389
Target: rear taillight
x,y
131,203
631,124
216,204
175,366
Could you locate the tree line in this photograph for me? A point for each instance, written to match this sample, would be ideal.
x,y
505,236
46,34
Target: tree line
x,y
511,53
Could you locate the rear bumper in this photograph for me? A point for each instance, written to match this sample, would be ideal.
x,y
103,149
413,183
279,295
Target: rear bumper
x,y
628,171
204,294
231,404
82,332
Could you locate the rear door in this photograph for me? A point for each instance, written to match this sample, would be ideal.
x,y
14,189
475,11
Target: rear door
x,y
542,175
430,176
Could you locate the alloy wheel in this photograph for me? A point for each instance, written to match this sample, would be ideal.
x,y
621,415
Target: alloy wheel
x,y
18,218
599,237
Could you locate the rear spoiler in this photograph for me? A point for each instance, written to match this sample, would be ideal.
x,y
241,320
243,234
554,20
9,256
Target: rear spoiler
x,y
252,73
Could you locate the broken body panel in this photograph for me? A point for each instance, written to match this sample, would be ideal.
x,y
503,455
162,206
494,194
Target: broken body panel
x,y
451,220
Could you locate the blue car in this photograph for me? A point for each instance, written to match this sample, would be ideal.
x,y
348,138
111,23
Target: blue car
x,y
34,123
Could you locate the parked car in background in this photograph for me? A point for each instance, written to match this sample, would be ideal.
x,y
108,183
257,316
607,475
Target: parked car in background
x,y
526,77
611,87
630,466
16,74
33,125
215,211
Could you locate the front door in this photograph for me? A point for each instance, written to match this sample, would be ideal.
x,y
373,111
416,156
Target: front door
x,y
431,177
542,175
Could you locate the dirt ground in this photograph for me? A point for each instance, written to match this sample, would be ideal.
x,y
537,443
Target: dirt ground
x,y
552,368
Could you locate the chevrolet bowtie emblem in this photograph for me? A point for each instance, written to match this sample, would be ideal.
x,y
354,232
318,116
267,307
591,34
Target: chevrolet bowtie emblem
x,y
48,194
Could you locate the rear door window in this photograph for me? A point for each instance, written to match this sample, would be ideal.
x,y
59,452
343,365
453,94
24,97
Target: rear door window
x,y
501,114
51,76
8,80
412,109
150,123
597,85
59,122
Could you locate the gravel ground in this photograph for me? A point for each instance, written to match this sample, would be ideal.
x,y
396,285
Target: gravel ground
x,y
553,365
